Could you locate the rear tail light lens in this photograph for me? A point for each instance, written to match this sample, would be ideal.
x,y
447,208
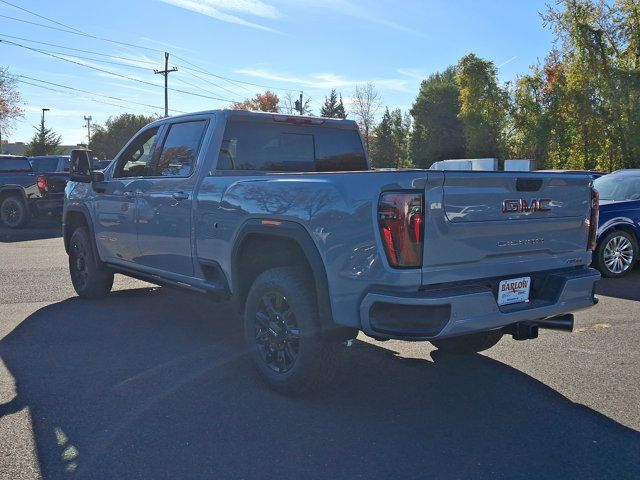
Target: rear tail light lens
x,y
401,222
593,220
43,184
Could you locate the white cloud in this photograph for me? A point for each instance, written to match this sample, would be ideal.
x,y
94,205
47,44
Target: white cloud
x,y
349,8
414,73
508,61
325,81
219,9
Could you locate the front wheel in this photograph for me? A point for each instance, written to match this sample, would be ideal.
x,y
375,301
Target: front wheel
x,y
283,334
617,253
13,212
90,278
467,344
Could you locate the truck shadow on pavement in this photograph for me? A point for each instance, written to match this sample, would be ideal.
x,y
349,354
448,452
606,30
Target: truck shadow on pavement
x,y
627,287
151,383
37,229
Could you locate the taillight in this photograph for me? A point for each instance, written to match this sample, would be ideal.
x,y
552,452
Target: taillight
x,y
401,222
593,220
43,184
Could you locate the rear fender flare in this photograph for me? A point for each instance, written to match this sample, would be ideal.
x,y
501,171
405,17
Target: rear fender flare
x,y
296,232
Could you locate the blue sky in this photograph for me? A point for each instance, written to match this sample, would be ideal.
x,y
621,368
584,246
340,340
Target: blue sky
x,y
309,45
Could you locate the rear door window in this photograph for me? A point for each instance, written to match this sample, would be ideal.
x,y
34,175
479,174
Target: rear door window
x,y
180,149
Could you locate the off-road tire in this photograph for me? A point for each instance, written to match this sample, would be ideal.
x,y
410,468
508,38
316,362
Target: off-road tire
x,y
468,344
317,357
600,260
90,277
14,212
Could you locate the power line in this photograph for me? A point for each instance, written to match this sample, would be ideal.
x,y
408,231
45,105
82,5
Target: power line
x,y
96,94
43,52
188,72
115,57
82,34
235,82
76,31
201,88
39,16
127,59
86,98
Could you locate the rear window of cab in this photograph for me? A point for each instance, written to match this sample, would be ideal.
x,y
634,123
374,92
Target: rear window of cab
x,y
282,147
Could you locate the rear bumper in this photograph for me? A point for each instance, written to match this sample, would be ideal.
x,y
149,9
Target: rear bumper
x,y
459,310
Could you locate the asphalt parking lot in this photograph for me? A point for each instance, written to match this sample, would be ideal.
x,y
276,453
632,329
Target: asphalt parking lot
x,y
153,383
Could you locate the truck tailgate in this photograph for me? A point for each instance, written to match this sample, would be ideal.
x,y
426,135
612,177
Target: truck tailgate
x,y
496,224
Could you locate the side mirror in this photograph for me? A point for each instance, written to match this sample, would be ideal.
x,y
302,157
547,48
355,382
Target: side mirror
x,y
80,166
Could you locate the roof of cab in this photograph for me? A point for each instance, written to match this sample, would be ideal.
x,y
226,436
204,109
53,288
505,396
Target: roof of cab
x,y
627,171
266,116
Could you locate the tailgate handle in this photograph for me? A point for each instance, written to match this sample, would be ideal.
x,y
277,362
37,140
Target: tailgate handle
x,y
528,184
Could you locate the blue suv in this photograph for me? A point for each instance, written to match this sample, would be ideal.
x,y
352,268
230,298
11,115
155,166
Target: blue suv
x,y
619,225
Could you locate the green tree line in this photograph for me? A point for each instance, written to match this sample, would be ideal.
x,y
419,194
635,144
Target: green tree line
x,y
579,108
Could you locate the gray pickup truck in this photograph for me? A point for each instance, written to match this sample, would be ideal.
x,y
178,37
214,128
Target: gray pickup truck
x,y
26,193
282,215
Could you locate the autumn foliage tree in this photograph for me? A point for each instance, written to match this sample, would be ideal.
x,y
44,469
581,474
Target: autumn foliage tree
x,y
262,102
10,100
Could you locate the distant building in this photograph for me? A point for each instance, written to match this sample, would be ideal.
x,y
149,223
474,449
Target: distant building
x,y
18,148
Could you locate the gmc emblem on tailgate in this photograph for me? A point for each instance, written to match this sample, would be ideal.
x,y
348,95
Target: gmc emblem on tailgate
x,y
523,206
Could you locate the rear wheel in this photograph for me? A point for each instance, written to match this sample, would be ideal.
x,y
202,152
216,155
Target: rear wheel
x,y
283,333
617,254
13,212
467,344
90,278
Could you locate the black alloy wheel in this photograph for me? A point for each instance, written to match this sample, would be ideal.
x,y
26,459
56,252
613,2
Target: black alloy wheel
x,y
13,212
277,332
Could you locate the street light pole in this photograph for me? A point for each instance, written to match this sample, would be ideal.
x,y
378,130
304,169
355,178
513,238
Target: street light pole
x,y
44,110
88,120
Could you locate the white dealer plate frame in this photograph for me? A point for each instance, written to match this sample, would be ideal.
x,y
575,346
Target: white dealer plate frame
x,y
514,290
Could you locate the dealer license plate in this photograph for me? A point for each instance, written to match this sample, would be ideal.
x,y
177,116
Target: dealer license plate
x,y
515,290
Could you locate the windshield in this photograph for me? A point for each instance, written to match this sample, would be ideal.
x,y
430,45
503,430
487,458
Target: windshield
x,y
618,188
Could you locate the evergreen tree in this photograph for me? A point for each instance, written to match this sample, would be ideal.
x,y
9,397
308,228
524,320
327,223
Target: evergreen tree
x,y
382,145
332,107
43,142
391,140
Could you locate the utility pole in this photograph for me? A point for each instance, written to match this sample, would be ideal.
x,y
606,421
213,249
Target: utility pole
x,y
88,120
166,73
299,106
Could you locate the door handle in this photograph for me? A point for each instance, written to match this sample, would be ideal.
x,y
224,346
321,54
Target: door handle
x,y
130,195
180,196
